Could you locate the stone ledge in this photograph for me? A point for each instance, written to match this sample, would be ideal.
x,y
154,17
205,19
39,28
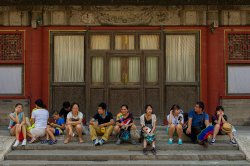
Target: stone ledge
x,y
5,145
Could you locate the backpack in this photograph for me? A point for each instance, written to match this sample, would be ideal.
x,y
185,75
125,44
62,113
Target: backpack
x,y
125,135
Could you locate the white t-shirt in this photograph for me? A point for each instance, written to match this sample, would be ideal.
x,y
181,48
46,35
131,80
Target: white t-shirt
x,y
176,120
41,117
74,118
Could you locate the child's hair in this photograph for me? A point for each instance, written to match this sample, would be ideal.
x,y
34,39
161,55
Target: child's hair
x,y
17,104
219,107
55,113
175,107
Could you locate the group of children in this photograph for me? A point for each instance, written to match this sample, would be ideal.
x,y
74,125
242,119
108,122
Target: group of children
x,y
69,121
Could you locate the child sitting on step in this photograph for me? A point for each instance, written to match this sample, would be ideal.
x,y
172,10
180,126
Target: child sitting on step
x,y
54,129
175,122
221,126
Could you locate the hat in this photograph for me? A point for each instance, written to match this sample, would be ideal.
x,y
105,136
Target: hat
x,y
227,128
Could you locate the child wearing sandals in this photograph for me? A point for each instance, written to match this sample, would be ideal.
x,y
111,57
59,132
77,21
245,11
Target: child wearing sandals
x,y
54,129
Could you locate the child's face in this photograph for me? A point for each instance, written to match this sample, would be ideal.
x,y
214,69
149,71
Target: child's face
x,y
19,108
219,112
176,112
56,116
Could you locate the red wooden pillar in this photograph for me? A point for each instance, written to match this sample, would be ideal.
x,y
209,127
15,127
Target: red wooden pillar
x,y
213,70
34,59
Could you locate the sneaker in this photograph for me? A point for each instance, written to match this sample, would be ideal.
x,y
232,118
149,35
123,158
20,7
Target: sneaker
x,y
179,141
133,142
101,142
96,142
118,142
145,151
213,141
44,141
233,141
170,141
16,143
153,150
24,142
51,142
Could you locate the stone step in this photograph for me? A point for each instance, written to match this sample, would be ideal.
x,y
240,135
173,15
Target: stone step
x,y
124,146
160,136
99,155
124,163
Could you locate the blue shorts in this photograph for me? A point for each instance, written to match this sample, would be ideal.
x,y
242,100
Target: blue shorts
x,y
57,132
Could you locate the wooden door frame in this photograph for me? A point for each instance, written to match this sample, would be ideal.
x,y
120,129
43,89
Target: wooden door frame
x,y
90,53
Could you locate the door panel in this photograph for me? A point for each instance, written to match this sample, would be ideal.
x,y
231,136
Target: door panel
x,y
184,96
68,93
152,96
96,96
131,97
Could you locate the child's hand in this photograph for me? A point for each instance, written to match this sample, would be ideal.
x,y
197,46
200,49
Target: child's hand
x,y
171,112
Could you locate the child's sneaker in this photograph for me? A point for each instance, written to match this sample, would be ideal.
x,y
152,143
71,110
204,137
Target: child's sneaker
x,y
96,142
16,143
213,141
24,142
44,141
170,141
233,141
101,142
179,141
51,142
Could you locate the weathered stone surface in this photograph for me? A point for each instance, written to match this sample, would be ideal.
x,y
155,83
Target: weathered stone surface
x,y
243,139
5,145
126,15
232,110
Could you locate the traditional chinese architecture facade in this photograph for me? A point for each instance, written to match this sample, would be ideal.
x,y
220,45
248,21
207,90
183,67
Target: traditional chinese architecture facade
x,y
133,52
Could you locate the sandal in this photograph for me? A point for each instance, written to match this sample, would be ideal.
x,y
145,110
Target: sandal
x,y
66,141
81,141
33,139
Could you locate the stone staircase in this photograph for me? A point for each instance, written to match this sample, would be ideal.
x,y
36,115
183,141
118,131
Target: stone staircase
x,y
221,153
